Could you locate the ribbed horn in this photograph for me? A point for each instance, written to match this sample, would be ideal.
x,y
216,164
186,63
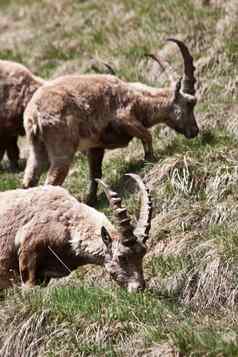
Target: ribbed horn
x,y
123,220
188,82
144,222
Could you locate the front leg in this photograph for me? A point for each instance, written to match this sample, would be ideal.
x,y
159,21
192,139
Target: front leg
x,y
136,129
95,157
2,150
148,151
27,268
13,153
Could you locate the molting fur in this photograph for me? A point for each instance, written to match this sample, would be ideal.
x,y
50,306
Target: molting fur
x,y
17,85
45,232
98,112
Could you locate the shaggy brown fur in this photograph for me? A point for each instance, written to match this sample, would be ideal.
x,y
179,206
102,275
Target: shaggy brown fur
x,y
45,232
17,85
98,112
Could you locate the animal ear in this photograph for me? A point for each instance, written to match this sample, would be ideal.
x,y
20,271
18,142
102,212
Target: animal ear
x,y
107,240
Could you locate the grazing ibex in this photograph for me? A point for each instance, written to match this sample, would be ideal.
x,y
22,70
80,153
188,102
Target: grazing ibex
x,y
17,85
45,232
98,112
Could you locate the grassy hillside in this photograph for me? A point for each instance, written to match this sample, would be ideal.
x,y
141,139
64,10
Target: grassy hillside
x,y
190,306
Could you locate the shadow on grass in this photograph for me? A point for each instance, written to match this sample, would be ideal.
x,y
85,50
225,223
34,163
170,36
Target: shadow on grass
x,y
124,185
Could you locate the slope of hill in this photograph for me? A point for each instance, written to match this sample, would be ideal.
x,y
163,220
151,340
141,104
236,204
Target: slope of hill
x,y
190,306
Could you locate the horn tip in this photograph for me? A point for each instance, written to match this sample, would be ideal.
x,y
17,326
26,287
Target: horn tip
x,y
171,39
98,180
132,175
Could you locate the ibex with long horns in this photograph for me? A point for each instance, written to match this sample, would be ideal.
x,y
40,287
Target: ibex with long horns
x,y
45,232
98,112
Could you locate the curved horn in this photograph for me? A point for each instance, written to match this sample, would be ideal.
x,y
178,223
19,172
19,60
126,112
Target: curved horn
x,y
144,222
120,213
188,83
108,66
110,69
165,67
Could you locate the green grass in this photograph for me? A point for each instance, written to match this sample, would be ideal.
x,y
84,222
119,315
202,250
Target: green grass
x,y
11,55
231,48
99,304
226,239
142,315
203,144
207,341
8,182
166,266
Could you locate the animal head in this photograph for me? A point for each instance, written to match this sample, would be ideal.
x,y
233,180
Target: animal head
x,y
180,115
124,255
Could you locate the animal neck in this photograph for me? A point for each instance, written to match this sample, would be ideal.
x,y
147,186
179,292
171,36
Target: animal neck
x,y
95,258
85,240
152,108
87,250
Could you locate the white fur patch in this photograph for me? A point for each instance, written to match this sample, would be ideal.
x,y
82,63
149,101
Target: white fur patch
x,y
20,236
75,242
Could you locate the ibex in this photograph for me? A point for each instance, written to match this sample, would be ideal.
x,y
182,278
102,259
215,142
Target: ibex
x,y
45,232
17,85
98,112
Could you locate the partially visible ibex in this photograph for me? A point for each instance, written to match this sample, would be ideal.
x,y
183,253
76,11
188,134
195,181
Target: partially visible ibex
x,y
17,85
45,232
98,112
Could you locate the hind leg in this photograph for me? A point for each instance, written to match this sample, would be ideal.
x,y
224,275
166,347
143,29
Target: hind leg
x,y
13,152
36,161
2,147
95,157
60,158
148,151
2,151
5,280
57,172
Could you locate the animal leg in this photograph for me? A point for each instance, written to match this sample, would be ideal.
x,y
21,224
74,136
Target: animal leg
x,y
5,280
148,151
95,157
2,151
35,164
57,172
27,268
61,152
136,129
13,152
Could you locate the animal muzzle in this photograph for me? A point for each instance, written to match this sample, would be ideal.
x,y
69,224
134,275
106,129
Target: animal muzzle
x,y
191,133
